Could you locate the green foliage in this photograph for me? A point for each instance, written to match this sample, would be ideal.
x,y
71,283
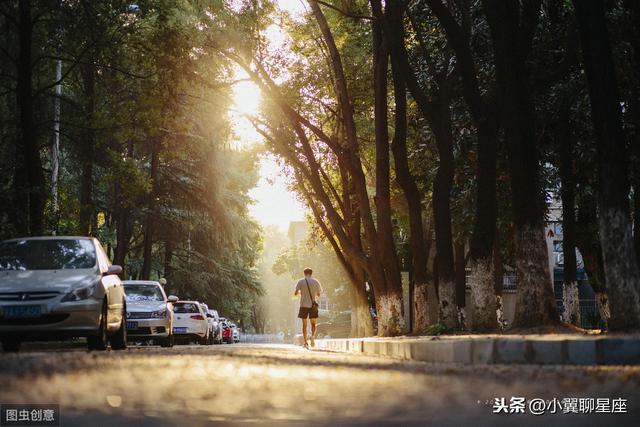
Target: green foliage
x,y
436,329
138,84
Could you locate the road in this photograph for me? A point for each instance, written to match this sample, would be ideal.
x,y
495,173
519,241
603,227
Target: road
x,y
247,384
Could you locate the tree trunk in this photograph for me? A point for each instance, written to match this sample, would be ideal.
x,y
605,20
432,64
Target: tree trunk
x,y
442,217
535,303
55,150
423,288
461,283
385,241
168,257
361,325
32,163
151,214
482,109
124,230
633,114
498,281
383,266
87,152
487,305
588,243
570,296
620,263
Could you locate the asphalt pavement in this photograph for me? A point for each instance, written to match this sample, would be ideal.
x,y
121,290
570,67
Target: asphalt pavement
x,y
262,384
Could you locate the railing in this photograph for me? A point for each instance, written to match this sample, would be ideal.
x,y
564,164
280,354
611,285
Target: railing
x,y
262,338
589,313
509,281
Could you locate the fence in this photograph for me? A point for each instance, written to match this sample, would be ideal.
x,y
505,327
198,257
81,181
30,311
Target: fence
x,y
262,338
589,313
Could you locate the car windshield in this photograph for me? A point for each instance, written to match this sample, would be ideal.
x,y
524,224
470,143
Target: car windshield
x,y
51,254
185,307
143,293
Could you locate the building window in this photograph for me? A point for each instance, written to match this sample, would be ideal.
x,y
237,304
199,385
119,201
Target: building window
x,y
557,246
557,228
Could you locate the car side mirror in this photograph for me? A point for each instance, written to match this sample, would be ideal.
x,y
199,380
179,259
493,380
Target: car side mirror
x,y
113,270
172,299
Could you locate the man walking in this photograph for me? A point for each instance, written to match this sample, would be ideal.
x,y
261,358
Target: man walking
x,y
309,290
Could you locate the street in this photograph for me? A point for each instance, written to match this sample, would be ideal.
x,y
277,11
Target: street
x,y
286,385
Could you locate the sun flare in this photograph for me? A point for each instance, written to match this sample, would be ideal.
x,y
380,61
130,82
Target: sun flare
x,y
246,97
245,102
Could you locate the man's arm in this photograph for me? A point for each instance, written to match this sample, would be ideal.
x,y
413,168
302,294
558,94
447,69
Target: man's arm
x,y
297,290
319,288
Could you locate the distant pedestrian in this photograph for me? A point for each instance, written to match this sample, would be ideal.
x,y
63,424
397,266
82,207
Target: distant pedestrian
x,y
309,290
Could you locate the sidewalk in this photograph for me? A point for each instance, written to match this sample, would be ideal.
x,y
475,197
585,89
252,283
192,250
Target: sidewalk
x,y
556,349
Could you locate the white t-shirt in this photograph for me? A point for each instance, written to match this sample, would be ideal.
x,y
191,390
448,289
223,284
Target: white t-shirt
x,y
305,298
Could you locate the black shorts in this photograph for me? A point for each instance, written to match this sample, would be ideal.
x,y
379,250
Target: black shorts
x,y
308,312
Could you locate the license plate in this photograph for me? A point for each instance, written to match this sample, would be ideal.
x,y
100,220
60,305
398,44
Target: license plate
x,y
21,311
180,330
132,325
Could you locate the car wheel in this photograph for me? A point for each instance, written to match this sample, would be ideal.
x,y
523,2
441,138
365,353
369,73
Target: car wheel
x,y
204,340
11,345
167,342
99,341
119,339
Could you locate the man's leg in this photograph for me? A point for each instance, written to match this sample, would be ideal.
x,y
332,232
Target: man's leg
x,y
304,330
313,331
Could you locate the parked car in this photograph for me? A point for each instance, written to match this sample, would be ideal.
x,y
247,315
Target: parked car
x,y
149,312
214,327
227,333
190,322
54,288
235,333
217,337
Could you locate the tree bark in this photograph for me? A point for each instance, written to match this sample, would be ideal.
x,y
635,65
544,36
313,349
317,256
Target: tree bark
x,y
423,287
511,33
32,163
149,227
483,114
498,280
620,263
55,150
461,282
87,152
124,230
444,241
435,107
570,296
588,243
385,241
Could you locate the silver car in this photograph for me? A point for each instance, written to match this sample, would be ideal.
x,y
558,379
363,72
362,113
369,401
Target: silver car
x,y
53,288
149,312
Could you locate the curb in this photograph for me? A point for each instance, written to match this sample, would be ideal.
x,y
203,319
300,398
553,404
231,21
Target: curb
x,y
539,350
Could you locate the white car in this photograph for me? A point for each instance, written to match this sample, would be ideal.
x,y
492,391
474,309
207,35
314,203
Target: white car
x,y
190,322
149,312
235,333
214,327
53,288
